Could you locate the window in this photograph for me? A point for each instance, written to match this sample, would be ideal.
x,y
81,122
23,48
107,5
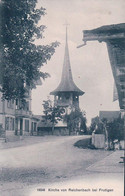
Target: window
x,y
10,104
34,126
18,104
26,106
9,123
27,125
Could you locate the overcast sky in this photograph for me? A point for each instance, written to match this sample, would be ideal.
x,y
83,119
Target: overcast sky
x,y
90,64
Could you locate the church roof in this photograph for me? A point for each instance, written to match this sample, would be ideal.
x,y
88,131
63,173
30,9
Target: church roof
x,y
67,84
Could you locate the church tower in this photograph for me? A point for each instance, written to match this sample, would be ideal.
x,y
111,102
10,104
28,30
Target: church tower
x,y
67,93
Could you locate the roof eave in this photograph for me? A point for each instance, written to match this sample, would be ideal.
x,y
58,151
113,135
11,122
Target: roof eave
x,y
75,92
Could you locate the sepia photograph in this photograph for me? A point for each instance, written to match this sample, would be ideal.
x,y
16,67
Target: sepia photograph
x,y
62,97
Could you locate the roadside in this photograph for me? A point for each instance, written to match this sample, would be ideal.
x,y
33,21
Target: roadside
x,y
103,178
39,161
31,140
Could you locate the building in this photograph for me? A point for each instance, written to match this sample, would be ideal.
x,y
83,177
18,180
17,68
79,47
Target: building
x,y
16,118
114,37
67,93
109,115
7,116
45,128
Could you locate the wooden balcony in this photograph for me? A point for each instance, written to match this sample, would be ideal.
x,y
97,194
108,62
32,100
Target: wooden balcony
x,y
22,113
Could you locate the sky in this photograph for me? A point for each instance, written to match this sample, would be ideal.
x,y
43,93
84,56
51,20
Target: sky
x,y
90,64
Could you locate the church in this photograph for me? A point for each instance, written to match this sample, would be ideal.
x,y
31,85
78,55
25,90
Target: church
x,y
67,93
66,96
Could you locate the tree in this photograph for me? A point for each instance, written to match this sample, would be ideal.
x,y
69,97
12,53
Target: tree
x,y
83,127
21,59
115,131
76,121
52,113
94,122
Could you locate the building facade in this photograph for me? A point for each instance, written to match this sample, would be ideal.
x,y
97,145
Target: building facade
x,y
114,37
109,115
17,118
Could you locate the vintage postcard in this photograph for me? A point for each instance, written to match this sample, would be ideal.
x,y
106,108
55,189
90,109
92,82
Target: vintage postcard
x,y
62,97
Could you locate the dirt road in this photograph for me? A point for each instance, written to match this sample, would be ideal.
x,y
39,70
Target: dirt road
x,y
52,159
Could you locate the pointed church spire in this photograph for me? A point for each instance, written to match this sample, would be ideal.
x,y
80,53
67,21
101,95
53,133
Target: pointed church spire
x,y
66,72
66,31
67,84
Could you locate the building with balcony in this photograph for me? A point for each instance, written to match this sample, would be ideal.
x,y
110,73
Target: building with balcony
x,y
16,118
